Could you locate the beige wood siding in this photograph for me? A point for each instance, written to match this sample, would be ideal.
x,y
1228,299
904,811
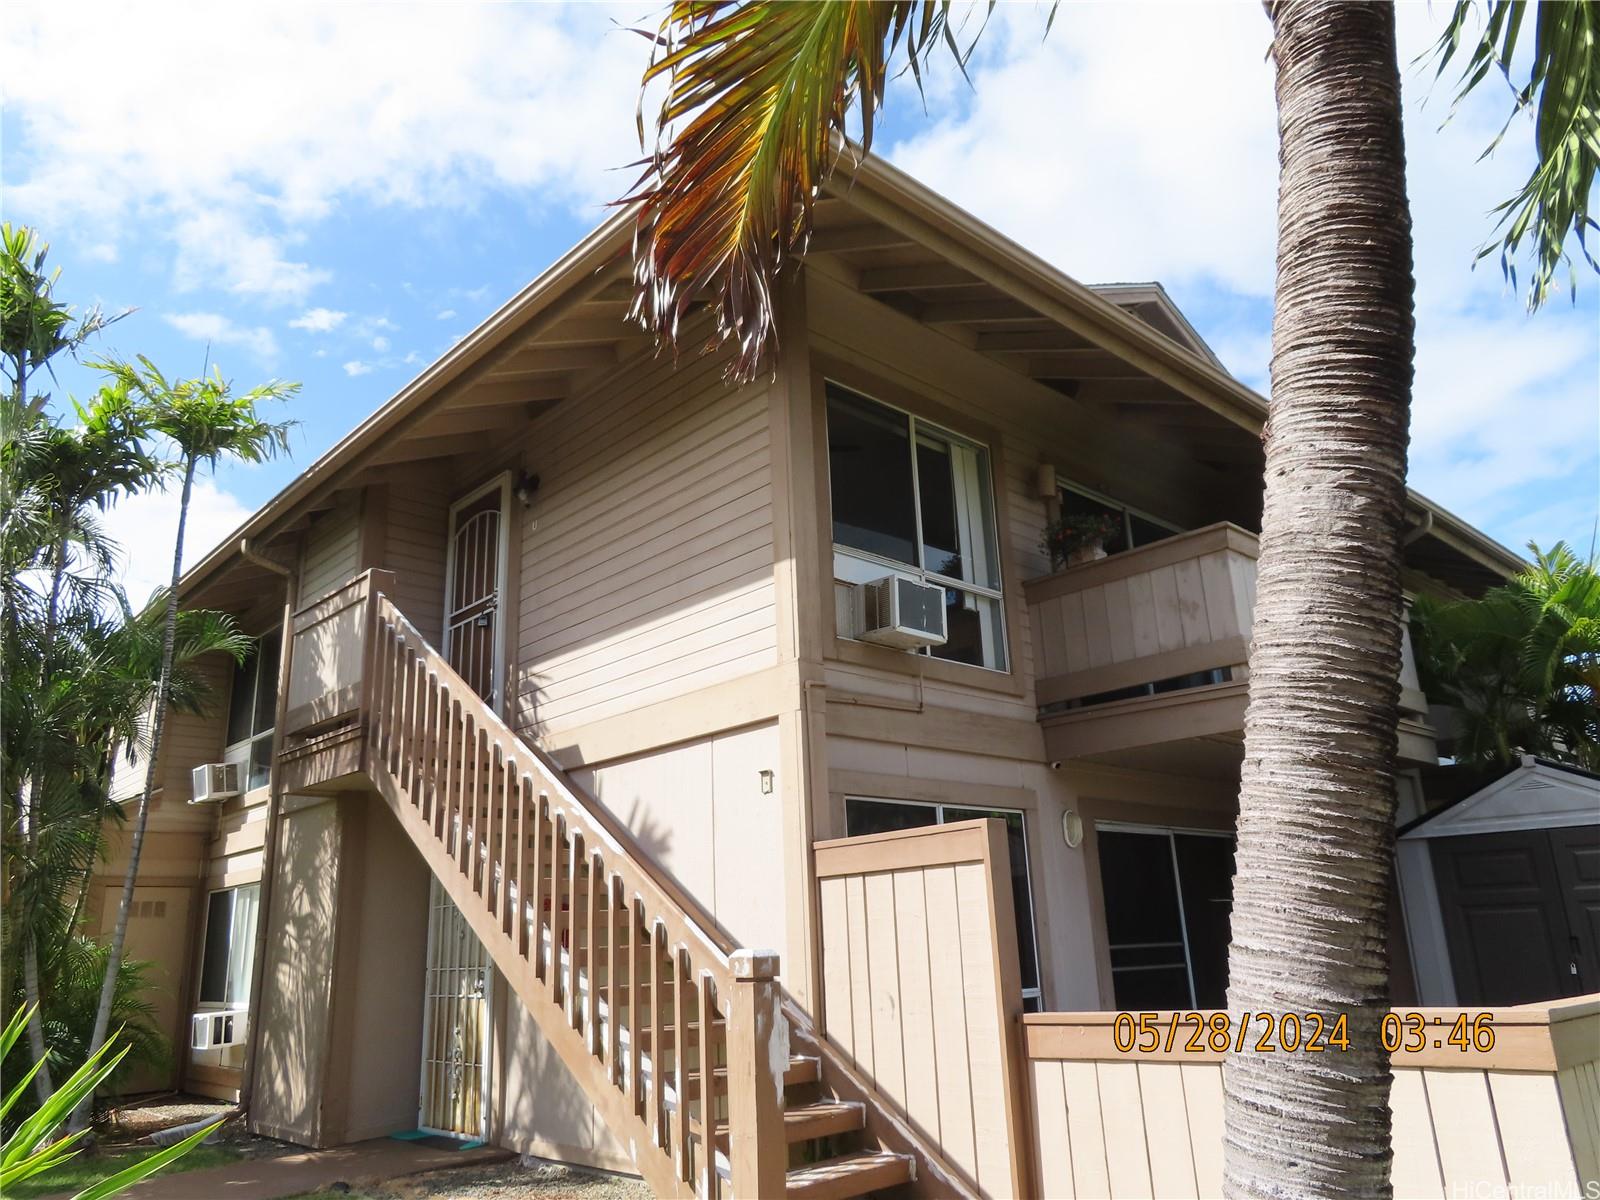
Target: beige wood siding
x,y
919,985
331,551
646,562
416,521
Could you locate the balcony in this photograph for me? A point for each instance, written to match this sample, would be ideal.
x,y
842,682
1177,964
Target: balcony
x,y
1148,649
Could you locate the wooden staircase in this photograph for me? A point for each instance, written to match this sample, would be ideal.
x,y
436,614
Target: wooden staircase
x,y
679,1038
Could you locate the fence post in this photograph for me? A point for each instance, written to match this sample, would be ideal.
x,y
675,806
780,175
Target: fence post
x,y
758,1056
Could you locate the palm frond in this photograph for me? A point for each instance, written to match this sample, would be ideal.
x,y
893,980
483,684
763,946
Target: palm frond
x,y
1563,90
755,96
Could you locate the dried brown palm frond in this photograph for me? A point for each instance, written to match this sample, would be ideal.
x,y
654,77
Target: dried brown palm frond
x,y
756,99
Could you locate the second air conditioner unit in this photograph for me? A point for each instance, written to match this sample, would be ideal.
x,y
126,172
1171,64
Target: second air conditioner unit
x,y
214,1030
215,781
902,612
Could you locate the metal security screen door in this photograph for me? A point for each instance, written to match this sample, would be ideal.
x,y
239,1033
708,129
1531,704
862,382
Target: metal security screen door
x,y
474,634
455,1025
458,979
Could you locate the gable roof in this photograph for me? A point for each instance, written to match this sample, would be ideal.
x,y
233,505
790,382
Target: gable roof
x,y
910,248
1535,794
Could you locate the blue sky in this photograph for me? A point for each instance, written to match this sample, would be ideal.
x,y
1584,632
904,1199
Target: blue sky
x,y
335,193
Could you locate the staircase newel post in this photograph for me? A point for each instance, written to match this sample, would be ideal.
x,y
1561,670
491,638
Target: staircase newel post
x,y
376,581
758,1055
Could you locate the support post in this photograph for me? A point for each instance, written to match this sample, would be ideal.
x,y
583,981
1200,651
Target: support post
x,y
758,1056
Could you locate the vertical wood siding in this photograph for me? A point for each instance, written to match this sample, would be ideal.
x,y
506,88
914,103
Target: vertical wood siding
x,y
646,560
1150,1126
920,989
416,525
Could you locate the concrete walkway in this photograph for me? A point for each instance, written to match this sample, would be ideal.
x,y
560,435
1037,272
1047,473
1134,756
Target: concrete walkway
x,y
310,1171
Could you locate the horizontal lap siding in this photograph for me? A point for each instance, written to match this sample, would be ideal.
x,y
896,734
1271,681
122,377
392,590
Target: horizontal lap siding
x,y
416,520
331,552
646,558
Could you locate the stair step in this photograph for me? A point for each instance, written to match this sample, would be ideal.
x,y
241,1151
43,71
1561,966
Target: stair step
x,y
823,1119
800,1070
847,1176
669,1035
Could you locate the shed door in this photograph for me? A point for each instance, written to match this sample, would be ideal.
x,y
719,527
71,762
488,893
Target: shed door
x,y
1520,911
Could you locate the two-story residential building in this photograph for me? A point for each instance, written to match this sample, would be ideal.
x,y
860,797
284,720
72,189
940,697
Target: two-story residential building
x,y
571,653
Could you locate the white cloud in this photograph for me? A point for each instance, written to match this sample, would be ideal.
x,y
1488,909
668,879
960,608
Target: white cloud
x,y
415,104
319,320
218,330
143,527
380,344
445,314
356,367
412,358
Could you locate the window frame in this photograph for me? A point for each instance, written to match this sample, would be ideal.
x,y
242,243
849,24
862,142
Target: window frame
x,y
1065,484
240,1003
1036,992
994,554
243,750
1170,833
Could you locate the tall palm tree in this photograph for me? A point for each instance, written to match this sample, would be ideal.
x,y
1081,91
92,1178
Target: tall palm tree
x,y
205,423
756,96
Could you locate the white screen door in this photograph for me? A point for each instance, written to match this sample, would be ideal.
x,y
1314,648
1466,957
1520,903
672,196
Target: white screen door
x,y
458,976
455,1025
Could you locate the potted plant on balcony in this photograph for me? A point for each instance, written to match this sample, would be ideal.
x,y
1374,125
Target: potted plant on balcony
x,y
1074,538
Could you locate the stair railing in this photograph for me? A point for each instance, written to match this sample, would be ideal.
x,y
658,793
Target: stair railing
x,y
618,969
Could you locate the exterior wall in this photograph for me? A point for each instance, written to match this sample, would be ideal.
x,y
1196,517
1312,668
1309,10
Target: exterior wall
x,y
331,550
405,528
646,558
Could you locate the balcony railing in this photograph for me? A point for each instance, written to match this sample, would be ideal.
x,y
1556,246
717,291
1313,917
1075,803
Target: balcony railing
x,y
1141,628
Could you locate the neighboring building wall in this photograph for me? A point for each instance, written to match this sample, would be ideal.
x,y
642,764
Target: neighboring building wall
x,y
646,564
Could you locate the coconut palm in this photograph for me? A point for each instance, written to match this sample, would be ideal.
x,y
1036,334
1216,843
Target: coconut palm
x,y
1521,664
205,423
755,101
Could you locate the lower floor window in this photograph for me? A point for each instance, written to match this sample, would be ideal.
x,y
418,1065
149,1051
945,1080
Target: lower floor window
x,y
1168,897
226,963
863,816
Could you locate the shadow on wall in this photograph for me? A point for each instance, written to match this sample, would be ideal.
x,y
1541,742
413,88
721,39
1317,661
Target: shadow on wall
x,y
299,965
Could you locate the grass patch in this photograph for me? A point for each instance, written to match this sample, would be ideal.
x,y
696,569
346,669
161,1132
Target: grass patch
x,y
81,1170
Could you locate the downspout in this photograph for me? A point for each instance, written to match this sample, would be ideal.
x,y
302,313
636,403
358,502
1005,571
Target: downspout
x,y
291,580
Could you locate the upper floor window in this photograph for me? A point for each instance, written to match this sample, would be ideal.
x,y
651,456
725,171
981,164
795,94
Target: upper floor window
x,y
1136,528
252,712
917,499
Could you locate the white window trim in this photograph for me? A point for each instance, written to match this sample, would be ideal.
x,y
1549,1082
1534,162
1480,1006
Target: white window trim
x,y
964,520
242,1004
1028,993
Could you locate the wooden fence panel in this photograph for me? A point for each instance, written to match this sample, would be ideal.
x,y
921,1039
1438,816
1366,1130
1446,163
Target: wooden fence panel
x,y
921,988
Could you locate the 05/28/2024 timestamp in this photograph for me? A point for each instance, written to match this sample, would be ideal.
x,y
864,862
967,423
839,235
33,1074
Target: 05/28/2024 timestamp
x,y
1184,1032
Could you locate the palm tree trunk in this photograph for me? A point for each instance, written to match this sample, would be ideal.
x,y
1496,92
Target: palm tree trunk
x,y
1317,794
43,1084
108,986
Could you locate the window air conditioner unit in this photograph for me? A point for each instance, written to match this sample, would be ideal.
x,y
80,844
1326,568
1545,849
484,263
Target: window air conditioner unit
x,y
215,781
901,612
214,1030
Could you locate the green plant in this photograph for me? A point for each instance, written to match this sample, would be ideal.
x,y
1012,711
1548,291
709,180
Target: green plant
x,y
34,1147
1075,531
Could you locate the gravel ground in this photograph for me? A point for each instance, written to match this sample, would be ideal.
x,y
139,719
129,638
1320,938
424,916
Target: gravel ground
x,y
511,1180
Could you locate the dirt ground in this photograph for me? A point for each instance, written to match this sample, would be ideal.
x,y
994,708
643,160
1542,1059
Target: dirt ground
x,y
513,1180
128,1124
